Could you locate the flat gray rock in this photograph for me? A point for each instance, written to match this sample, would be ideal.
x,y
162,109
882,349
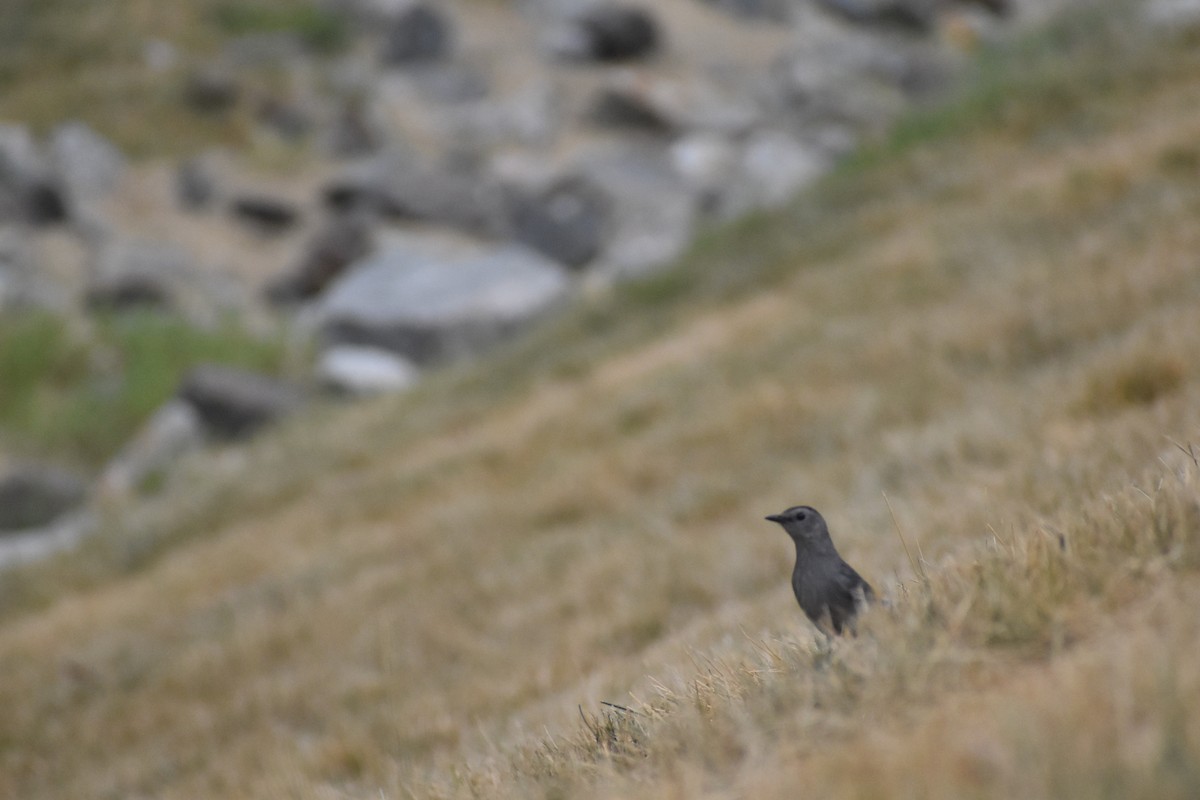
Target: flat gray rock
x,y
433,299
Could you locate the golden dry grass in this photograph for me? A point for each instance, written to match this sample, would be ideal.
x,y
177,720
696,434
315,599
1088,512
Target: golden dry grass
x,y
995,325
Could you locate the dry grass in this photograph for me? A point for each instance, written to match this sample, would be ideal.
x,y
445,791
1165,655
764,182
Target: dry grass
x,y
65,60
994,324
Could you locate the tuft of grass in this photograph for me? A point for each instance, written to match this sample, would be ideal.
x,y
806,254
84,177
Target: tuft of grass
x,y
61,60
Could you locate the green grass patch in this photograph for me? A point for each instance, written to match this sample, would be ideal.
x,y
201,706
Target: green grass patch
x,y
320,29
78,395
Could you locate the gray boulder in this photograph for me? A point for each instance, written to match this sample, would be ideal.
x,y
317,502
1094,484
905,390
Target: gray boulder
x,y
418,34
234,403
399,186
654,209
640,100
777,166
28,190
607,32
432,299
33,495
759,10
568,221
86,164
353,370
916,16
841,77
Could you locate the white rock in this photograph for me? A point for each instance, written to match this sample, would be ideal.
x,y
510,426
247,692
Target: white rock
x,y
365,370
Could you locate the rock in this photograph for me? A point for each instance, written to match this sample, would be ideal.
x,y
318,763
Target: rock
x,y
353,131
28,191
399,186
286,120
19,287
234,403
842,78
342,241
33,495
916,16
352,370
630,108
1172,14
195,183
270,215
533,115
568,221
1002,8
174,430
131,273
86,164
654,210
432,299
708,163
418,34
449,84
33,544
607,32
762,10
668,105
212,89
777,166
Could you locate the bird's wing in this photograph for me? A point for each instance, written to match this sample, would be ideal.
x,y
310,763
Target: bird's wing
x,y
853,584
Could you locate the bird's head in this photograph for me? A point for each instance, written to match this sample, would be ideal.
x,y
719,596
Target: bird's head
x,y
803,523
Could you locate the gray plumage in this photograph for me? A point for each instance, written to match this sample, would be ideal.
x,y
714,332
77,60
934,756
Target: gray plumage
x,y
828,589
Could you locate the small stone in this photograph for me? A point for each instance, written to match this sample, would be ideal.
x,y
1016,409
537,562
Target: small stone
x,y
195,183
33,495
353,370
269,215
418,34
607,32
234,403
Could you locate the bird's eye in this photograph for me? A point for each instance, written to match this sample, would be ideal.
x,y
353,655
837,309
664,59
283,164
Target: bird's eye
x,y
801,516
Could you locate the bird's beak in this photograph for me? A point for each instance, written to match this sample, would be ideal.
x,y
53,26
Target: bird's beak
x,y
774,518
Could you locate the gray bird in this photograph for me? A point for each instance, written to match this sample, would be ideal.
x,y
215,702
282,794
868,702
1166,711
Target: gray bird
x,y
829,590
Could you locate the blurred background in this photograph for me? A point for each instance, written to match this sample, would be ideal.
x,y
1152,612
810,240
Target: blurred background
x,y
334,197
391,392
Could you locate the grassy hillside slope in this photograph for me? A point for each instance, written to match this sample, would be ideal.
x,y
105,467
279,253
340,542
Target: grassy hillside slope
x,y
992,319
